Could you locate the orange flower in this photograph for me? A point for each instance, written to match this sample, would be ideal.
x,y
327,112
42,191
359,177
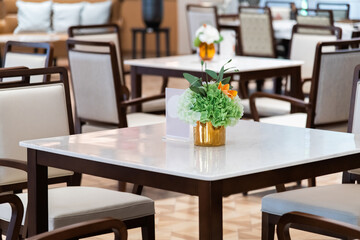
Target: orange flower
x,y
226,90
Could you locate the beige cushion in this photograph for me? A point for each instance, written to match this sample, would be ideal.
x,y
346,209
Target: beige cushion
x,y
134,120
336,202
25,59
154,106
293,120
268,107
355,171
69,205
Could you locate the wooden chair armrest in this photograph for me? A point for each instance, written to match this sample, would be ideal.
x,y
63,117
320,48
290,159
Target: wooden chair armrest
x,y
86,229
303,220
17,212
13,163
294,101
137,101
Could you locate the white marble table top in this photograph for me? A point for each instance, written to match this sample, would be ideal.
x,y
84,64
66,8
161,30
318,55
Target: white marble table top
x,y
251,147
193,63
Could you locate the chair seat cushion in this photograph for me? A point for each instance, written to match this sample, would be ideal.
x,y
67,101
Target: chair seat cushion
x,y
355,171
335,202
157,105
268,107
69,205
13,176
293,120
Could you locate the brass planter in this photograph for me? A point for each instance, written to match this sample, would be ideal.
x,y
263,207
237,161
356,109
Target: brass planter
x,y
206,51
208,136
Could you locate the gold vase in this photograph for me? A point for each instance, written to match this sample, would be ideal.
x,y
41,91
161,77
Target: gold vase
x,y
205,134
206,51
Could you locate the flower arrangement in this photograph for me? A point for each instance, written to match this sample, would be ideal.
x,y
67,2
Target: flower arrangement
x,y
207,34
210,100
205,38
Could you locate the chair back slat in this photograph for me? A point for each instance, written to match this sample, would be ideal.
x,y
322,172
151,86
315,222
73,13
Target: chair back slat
x,y
198,15
317,17
256,32
340,10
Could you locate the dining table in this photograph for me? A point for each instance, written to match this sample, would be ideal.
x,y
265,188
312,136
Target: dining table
x,y
247,68
256,155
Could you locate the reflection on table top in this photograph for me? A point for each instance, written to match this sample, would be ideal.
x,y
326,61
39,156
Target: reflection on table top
x,y
193,63
251,147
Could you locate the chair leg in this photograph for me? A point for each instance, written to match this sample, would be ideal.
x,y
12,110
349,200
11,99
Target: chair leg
x,y
164,84
311,182
148,230
75,180
137,189
346,177
259,84
268,228
121,186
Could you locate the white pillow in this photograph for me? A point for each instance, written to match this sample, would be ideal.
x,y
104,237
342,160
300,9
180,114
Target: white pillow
x,y
66,15
33,16
96,13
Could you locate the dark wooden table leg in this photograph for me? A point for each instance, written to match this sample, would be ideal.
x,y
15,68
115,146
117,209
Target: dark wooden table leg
x,y
37,195
134,43
143,44
136,86
210,210
295,87
157,44
167,42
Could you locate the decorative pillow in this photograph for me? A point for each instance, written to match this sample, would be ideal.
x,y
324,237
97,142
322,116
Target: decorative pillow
x,y
33,16
66,15
96,13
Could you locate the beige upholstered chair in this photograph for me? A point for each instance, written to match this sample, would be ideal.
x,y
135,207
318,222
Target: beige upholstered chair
x,y
44,110
340,10
334,201
30,112
256,32
100,97
86,229
331,86
319,17
303,46
111,33
198,15
28,54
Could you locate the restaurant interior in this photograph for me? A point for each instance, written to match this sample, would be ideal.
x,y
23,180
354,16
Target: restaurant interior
x,y
179,119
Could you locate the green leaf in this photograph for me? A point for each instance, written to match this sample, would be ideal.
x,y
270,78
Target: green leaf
x,y
220,39
221,74
211,73
197,42
235,70
198,90
194,81
226,80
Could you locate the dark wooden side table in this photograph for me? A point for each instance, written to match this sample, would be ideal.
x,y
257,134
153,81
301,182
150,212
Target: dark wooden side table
x,y
145,31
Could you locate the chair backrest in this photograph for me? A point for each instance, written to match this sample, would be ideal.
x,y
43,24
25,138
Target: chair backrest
x,y
256,32
281,9
197,15
28,54
17,212
340,11
318,17
303,45
332,82
31,111
100,33
98,91
354,113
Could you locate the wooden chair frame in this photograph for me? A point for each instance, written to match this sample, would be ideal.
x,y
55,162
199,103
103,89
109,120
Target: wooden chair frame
x,y
86,229
318,6
47,49
304,220
204,6
17,213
